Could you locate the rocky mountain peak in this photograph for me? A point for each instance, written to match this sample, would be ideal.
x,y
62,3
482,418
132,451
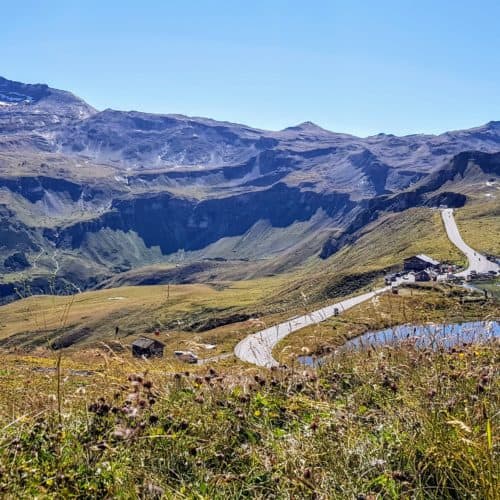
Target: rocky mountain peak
x,y
15,93
307,126
28,107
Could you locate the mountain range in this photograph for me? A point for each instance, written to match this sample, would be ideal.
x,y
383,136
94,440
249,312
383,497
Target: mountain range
x,y
86,195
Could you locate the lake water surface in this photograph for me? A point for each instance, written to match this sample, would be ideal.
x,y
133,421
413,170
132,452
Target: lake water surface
x,y
430,335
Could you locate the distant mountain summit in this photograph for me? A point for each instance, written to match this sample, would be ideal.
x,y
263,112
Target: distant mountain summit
x,y
37,106
308,127
15,93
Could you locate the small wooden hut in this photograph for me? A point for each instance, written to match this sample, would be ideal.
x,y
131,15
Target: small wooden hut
x,y
147,348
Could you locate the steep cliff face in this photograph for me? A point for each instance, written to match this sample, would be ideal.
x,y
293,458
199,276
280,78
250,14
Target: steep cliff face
x,y
174,223
461,167
15,235
34,189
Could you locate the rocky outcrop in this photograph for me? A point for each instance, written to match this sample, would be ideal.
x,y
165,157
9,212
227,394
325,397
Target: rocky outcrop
x,y
33,188
16,262
420,196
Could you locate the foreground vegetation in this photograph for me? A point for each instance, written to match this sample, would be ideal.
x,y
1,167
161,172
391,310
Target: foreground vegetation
x,y
390,423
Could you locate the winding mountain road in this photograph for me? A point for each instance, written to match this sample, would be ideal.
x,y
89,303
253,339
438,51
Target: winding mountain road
x,y
477,261
257,348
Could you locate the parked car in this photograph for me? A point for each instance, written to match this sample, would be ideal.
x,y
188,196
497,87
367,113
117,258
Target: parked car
x,y
186,356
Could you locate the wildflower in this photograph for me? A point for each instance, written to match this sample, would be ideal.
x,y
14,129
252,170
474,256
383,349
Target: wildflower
x,y
183,425
400,476
92,407
154,491
123,433
131,412
377,462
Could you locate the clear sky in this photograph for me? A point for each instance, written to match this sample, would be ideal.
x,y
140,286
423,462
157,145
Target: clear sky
x,y
357,66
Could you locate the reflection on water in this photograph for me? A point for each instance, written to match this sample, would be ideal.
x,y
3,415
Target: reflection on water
x,y
432,335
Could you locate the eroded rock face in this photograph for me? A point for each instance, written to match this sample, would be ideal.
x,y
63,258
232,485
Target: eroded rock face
x,y
16,262
174,223
34,188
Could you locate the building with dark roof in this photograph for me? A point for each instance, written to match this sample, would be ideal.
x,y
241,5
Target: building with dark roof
x,y
147,348
422,276
420,262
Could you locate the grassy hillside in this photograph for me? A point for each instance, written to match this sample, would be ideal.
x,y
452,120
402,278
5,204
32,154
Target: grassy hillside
x,y
479,224
382,245
178,311
391,423
391,238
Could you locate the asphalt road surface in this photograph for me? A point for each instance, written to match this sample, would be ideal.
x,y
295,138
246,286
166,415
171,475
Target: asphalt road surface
x,y
257,348
477,262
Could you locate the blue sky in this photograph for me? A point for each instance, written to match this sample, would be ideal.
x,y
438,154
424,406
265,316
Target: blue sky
x,y
356,66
